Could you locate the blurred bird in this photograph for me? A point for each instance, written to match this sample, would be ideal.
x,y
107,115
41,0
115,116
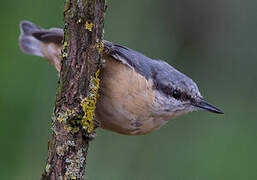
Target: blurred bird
x,y
137,94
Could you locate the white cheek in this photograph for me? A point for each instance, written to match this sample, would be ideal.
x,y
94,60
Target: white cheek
x,y
168,106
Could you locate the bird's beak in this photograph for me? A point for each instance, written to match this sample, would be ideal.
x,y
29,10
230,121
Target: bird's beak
x,y
203,105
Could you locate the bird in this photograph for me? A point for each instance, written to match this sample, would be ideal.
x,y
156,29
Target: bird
x,y
138,94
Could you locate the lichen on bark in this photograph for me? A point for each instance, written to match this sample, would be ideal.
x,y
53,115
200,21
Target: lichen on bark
x,y
68,145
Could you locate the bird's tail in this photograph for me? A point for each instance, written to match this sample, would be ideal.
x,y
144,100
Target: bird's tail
x,y
28,43
40,42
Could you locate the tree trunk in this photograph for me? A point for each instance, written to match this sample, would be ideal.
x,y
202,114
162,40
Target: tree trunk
x,y
73,117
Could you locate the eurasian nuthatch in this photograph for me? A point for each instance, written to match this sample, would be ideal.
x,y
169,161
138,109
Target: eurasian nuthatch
x,y
137,94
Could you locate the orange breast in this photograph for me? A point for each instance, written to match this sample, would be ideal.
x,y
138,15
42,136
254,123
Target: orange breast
x,y
126,100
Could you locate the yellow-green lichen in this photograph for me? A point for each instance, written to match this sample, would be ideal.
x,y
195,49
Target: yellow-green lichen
x,y
100,46
79,21
65,115
64,49
64,54
89,26
72,123
48,166
88,104
65,42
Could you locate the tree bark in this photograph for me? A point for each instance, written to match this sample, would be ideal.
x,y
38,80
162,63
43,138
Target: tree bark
x,y
73,117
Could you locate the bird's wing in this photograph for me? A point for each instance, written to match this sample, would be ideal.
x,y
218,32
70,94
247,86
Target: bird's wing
x,y
129,57
126,56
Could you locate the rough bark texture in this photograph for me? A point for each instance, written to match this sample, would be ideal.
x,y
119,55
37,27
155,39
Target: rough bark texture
x,y
72,119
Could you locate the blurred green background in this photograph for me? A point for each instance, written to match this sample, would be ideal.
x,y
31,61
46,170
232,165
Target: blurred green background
x,y
214,42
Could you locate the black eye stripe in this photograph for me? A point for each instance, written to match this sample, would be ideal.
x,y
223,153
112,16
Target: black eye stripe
x,y
175,93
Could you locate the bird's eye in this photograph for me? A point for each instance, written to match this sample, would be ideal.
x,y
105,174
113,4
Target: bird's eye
x,y
176,94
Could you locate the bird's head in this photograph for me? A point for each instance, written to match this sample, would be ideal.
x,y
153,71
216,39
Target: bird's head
x,y
175,93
